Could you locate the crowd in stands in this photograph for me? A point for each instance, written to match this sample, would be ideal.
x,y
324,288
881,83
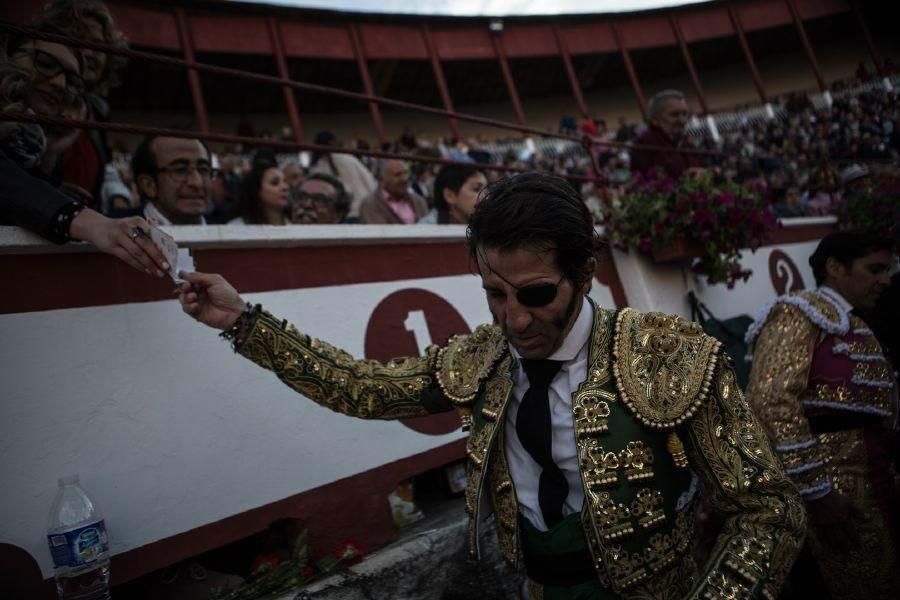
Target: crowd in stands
x,y
803,162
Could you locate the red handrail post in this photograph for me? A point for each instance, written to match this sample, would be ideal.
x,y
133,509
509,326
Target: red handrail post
x,y
748,55
439,77
873,50
807,47
570,70
686,53
632,74
360,53
187,45
507,76
289,99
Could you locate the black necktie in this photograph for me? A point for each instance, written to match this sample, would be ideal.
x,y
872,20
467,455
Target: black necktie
x,y
534,431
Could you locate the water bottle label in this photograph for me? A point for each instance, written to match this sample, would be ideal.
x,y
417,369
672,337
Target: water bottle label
x,y
79,546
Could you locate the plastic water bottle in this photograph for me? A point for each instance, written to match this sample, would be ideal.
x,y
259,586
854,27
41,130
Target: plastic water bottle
x,y
79,545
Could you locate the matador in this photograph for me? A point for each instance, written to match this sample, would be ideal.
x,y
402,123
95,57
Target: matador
x,y
592,432
822,388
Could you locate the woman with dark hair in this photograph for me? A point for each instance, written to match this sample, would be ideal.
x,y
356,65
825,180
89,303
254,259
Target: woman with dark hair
x,y
264,196
456,190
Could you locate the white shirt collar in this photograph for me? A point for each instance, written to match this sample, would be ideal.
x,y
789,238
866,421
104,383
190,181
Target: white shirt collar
x,y
575,340
835,297
151,212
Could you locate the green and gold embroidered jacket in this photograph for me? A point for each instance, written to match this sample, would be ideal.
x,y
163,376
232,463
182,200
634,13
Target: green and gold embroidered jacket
x,y
654,381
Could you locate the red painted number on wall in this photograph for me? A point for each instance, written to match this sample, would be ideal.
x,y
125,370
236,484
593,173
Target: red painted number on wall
x,y
405,323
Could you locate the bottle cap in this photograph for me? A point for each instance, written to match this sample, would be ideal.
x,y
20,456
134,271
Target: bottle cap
x,y
68,480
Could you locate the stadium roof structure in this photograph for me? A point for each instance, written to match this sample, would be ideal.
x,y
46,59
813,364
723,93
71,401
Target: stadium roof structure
x,y
481,8
447,61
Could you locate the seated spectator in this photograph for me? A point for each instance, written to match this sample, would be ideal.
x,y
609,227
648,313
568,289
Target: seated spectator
x,y
44,78
456,192
173,177
293,174
856,179
85,163
264,196
625,133
423,173
567,125
321,200
477,153
664,137
788,202
357,179
588,127
392,202
226,187
458,151
823,196
776,186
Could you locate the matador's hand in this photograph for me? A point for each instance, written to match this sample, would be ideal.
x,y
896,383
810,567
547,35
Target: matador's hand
x,y
210,299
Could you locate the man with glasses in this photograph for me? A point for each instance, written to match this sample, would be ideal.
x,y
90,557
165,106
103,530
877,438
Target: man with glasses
x,y
320,200
173,177
591,430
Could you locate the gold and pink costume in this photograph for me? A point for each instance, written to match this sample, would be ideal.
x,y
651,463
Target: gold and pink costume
x,y
824,391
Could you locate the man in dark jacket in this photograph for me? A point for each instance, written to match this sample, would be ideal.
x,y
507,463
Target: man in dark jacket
x,y
661,145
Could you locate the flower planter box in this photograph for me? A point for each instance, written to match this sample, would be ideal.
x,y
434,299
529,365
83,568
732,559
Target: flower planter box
x,y
676,251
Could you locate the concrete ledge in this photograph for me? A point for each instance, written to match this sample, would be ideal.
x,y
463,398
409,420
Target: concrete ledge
x,y
15,240
430,561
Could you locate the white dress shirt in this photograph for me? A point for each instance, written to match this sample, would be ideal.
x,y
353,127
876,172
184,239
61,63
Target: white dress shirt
x,y
524,470
835,297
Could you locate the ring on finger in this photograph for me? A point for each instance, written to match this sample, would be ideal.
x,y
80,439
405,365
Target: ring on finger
x,y
137,231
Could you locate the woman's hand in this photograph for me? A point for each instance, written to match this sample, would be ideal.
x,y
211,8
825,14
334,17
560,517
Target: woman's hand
x,y
125,239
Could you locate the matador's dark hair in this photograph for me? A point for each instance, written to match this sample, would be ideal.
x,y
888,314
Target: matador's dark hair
x,y
533,210
844,247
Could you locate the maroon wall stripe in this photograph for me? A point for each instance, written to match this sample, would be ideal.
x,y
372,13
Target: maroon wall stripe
x,y
55,281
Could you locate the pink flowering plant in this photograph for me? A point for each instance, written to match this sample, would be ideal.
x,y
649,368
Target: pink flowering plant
x,y
720,217
876,211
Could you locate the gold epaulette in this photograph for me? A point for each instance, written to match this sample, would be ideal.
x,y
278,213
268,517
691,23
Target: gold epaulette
x,y
818,308
663,365
465,362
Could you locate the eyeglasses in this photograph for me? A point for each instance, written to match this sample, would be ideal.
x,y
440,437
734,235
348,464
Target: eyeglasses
x,y
47,65
180,172
315,198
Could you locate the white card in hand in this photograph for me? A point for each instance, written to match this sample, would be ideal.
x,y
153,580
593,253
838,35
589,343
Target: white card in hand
x,y
166,244
185,263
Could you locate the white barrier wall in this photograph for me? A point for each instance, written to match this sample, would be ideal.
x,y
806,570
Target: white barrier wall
x,y
168,428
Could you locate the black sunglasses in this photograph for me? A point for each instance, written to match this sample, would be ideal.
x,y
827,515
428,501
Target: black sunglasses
x,y
535,295
538,294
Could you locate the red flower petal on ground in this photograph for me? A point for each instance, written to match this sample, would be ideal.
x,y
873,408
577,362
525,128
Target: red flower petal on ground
x,y
264,559
348,551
